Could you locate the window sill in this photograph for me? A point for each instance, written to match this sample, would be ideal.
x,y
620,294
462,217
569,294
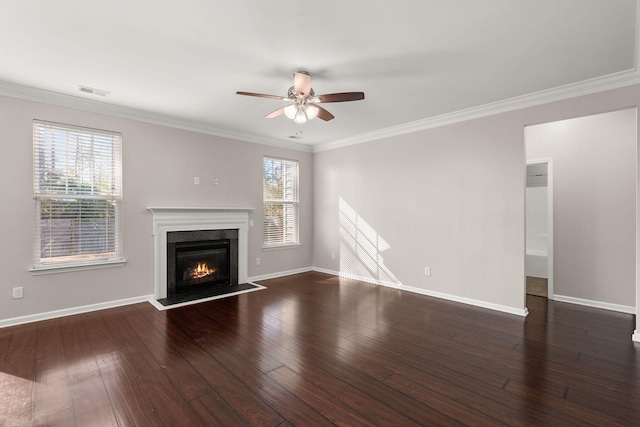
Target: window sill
x,y
276,247
52,269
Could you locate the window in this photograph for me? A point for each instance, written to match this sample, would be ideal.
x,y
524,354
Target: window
x,y
280,196
77,193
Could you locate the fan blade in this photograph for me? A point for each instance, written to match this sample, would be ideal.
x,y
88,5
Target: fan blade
x,y
262,95
302,83
275,113
324,114
339,97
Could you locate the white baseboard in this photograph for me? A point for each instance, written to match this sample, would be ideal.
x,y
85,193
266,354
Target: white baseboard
x,y
483,304
357,277
636,336
118,303
280,274
448,297
325,271
70,311
470,301
595,304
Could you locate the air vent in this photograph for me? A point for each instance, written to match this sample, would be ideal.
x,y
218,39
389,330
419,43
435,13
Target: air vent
x,y
93,91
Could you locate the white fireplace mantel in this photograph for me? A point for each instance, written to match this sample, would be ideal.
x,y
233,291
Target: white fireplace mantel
x,y
168,219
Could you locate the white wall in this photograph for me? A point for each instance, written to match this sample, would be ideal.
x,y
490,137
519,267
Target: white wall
x,y
537,231
159,165
594,185
536,217
451,198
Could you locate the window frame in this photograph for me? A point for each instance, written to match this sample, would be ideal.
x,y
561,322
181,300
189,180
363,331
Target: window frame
x,y
86,202
290,199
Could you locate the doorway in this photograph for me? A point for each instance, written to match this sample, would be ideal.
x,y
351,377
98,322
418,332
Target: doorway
x,y
539,228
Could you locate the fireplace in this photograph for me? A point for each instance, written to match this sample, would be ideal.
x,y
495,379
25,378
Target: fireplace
x,y
201,264
201,259
187,237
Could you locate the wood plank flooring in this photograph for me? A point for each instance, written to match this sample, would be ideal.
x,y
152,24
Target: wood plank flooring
x,y
537,286
317,350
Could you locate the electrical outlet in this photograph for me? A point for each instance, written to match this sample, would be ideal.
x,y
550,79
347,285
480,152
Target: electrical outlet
x,y
18,292
427,271
196,180
257,261
215,181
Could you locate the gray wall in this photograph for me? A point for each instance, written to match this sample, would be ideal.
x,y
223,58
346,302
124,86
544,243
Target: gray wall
x,y
594,179
451,198
159,165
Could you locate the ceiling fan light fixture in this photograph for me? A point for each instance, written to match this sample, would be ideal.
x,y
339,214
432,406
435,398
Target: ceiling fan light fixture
x,y
300,117
290,111
312,111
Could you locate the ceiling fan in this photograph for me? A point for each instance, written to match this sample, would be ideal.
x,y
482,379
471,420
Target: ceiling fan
x,y
304,102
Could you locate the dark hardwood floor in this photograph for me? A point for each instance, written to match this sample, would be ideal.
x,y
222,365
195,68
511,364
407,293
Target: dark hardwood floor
x,y
316,350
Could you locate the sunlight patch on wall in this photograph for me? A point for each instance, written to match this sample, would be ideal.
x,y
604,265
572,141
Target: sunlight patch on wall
x,y
361,249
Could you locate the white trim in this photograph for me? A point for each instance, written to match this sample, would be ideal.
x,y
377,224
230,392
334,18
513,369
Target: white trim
x,y
280,274
371,280
161,307
595,85
440,295
167,219
104,107
598,84
37,271
179,210
469,301
596,304
71,311
325,271
285,246
636,334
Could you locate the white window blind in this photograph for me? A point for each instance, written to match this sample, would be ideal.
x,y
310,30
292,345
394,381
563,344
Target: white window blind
x,y
280,196
77,192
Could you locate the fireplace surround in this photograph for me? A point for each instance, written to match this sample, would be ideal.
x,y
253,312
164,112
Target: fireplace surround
x,y
207,224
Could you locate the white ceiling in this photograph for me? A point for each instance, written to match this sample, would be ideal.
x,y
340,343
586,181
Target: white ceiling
x,y
182,62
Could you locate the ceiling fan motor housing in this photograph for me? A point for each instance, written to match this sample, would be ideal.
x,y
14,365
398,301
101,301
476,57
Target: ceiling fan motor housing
x,y
293,95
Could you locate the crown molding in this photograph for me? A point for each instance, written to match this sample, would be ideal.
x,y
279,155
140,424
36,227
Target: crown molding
x,y
599,84
63,100
573,90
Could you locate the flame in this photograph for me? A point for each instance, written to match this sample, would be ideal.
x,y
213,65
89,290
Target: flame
x,y
201,271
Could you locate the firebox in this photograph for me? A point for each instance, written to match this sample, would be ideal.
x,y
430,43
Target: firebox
x,y
202,264
201,260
